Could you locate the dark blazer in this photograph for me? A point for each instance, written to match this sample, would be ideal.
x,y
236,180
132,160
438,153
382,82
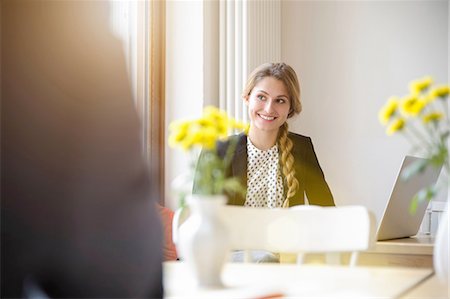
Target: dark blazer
x,y
307,170
78,215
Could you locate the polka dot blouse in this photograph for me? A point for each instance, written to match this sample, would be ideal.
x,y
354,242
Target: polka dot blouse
x,y
264,180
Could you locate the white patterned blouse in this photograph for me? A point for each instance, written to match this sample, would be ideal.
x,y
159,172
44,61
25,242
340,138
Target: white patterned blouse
x,y
264,180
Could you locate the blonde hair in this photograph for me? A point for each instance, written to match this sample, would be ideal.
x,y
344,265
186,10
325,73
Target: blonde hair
x,y
287,75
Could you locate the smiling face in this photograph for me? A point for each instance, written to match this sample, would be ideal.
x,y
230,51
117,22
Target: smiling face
x,y
268,106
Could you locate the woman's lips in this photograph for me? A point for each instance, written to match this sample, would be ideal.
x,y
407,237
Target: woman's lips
x,y
265,117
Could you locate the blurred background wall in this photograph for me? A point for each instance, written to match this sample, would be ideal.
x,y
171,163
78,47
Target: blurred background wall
x,y
351,56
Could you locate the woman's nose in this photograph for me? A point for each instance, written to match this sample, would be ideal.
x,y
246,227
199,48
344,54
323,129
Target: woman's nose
x,y
268,105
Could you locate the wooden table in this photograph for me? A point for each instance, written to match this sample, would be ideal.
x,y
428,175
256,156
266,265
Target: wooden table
x,y
415,252
412,252
245,280
431,288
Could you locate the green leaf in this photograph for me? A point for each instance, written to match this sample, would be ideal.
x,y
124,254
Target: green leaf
x,y
233,185
426,194
413,205
416,167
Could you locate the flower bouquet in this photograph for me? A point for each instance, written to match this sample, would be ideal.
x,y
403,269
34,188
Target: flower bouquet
x,y
203,134
422,117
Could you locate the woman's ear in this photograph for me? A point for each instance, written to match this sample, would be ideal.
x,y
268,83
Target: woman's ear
x,y
245,98
291,112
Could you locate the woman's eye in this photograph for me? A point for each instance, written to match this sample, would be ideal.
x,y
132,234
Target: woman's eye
x,y
281,101
261,97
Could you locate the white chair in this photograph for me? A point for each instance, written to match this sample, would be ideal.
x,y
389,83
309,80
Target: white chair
x,y
299,230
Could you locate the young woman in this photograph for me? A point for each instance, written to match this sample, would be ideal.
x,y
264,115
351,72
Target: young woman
x,y
278,167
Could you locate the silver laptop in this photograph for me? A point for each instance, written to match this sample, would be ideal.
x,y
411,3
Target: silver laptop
x,y
397,221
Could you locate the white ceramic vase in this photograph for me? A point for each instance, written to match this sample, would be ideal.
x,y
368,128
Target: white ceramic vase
x,y
441,248
204,241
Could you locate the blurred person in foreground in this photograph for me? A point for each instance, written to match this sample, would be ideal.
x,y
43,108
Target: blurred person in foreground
x,y
78,214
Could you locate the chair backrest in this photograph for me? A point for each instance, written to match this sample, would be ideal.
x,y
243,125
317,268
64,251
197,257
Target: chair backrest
x,y
301,230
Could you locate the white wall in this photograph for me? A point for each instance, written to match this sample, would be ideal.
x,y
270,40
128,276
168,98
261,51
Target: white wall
x,y
350,57
184,78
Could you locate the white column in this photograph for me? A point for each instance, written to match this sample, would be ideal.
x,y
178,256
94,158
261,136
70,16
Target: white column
x,y
230,58
264,32
250,34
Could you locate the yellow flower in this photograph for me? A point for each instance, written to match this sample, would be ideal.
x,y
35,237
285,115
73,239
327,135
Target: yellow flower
x,y
218,119
440,91
419,85
210,137
222,127
186,143
246,129
432,116
204,122
179,126
204,132
411,105
196,137
429,98
396,126
212,111
179,131
239,125
214,114
388,110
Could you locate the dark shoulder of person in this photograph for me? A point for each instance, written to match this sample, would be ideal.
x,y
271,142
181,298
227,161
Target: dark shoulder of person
x,y
234,140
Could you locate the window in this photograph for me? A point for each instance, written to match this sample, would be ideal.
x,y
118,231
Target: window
x,y
141,27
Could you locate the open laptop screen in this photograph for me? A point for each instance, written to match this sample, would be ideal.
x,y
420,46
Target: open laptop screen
x,y
397,221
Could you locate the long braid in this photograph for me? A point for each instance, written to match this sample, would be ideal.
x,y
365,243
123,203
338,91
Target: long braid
x,y
287,161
